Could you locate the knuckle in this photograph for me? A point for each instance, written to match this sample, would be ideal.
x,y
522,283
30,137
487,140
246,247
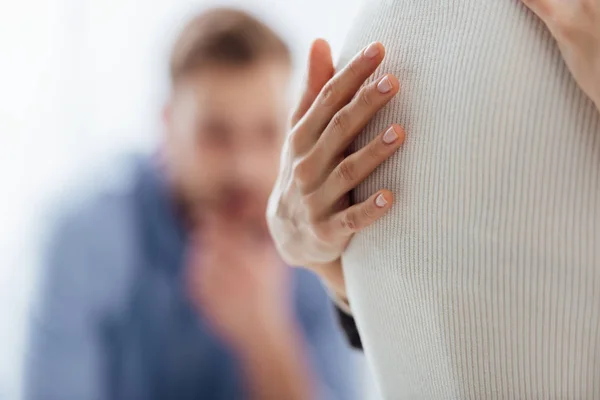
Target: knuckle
x,y
369,212
349,221
364,97
301,173
589,7
565,31
295,117
558,20
345,171
374,151
322,232
308,203
296,141
312,217
567,25
567,34
329,93
339,122
298,172
354,68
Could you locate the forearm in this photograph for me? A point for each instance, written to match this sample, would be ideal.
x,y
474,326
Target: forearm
x,y
275,368
332,277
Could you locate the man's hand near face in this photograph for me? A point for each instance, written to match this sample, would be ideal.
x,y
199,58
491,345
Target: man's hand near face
x,y
309,214
243,288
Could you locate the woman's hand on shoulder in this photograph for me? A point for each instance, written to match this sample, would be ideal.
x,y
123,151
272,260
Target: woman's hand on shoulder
x,y
309,214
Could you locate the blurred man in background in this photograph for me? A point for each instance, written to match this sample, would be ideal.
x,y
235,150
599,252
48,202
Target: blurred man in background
x,y
168,287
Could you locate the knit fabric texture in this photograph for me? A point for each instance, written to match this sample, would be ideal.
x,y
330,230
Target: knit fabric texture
x,y
483,281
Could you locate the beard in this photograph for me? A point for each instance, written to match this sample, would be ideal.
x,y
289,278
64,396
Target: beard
x,y
243,207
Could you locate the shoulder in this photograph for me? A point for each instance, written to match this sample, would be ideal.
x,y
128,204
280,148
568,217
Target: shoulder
x,y
90,237
90,210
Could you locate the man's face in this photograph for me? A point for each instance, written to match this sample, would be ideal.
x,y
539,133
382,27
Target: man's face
x,y
225,128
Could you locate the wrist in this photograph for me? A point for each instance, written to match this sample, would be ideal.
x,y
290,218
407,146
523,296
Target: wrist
x,y
332,276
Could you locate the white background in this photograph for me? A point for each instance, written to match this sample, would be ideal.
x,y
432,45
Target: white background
x,y
82,79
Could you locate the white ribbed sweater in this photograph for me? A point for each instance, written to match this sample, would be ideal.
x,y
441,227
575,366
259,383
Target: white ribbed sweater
x,y
483,282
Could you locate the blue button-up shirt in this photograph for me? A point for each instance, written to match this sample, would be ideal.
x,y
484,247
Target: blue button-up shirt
x,y
113,320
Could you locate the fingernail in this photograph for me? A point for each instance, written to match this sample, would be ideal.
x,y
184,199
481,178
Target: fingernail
x,y
380,201
372,50
385,85
390,136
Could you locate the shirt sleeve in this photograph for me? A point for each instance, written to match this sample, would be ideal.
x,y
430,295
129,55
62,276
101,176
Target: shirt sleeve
x,y
64,358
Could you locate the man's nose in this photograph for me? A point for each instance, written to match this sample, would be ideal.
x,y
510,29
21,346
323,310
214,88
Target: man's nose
x,y
246,165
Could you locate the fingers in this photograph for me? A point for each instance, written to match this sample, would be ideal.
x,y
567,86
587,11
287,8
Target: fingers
x,y
341,89
320,71
357,167
570,22
359,216
540,7
351,120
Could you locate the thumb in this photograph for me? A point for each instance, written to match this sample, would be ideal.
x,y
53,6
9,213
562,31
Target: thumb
x,y
320,71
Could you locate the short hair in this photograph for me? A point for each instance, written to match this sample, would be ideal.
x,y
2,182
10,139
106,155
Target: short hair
x,y
224,37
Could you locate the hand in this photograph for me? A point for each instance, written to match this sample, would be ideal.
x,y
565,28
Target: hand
x,y
238,281
575,24
309,215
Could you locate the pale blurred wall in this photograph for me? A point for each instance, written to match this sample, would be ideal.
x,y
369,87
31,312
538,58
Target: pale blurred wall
x,y
83,79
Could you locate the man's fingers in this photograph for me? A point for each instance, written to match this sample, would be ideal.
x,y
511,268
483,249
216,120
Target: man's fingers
x,y
351,120
361,215
356,168
320,71
341,89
